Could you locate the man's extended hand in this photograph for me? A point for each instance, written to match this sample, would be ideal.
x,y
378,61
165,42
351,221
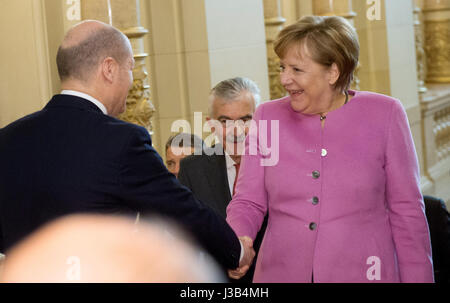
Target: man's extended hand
x,y
247,259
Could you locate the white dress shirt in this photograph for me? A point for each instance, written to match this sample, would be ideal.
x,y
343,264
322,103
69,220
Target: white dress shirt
x,y
87,97
231,172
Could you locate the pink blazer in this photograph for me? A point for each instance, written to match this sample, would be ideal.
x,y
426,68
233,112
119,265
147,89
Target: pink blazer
x,y
344,201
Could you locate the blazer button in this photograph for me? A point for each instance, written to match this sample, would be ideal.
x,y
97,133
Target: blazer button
x,y
324,152
315,200
315,174
312,226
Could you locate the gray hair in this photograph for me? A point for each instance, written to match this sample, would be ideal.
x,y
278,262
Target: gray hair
x,y
79,61
230,89
185,140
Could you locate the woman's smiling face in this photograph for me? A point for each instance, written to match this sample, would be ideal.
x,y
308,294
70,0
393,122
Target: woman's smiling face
x,y
306,81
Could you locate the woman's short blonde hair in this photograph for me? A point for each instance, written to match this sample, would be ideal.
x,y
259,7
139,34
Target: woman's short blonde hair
x,y
328,40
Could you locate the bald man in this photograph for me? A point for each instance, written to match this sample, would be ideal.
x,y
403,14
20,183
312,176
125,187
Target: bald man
x,y
107,249
74,156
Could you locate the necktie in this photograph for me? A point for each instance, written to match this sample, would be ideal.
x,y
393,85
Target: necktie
x,y
237,165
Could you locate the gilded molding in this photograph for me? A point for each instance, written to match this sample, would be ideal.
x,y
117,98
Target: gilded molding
x,y
273,22
135,32
437,47
139,108
276,89
437,40
421,60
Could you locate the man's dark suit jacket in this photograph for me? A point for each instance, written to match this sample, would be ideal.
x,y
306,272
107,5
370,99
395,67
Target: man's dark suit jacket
x,y
439,224
71,158
206,175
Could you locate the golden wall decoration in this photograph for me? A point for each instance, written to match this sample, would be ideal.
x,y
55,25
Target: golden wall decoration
x,y
437,46
276,89
421,60
273,24
139,108
437,40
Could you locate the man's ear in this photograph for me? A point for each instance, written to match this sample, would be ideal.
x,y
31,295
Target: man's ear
x,y
333,74
108,69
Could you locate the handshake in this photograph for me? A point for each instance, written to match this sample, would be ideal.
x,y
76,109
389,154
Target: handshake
x,y
247,259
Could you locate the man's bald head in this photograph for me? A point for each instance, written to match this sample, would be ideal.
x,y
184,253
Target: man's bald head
x,y
86,45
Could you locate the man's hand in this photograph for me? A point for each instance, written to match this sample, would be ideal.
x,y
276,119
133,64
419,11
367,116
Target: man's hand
x,y
247,259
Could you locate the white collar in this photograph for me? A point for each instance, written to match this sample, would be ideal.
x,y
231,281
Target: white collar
x,y
229,161
87,97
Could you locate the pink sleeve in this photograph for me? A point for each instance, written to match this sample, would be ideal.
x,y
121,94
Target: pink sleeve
x,y
404,201
246,211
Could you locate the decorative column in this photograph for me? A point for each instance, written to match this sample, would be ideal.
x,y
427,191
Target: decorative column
x,y
420,51
437,40
341,8
273,24
125,15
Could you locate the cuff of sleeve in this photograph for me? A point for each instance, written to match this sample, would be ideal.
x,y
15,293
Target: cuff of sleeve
x,y
242,251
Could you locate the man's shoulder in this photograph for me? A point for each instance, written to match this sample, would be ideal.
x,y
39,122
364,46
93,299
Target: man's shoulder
x,y
207,157
84,123
194,160
111,122
22,121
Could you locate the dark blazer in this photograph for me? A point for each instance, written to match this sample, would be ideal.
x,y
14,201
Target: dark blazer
x,y
206,176
439,224
71,158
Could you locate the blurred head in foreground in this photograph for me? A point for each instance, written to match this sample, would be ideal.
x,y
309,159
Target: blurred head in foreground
x,y
95,248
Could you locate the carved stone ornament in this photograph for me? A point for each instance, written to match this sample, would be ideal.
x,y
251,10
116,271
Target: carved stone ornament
x,y
437,47
139,108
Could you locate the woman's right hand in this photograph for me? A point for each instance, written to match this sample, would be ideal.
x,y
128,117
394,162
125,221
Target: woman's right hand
x,y
244,264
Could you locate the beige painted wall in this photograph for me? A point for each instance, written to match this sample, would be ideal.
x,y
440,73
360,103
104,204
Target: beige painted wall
x,y
25,70
31,31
